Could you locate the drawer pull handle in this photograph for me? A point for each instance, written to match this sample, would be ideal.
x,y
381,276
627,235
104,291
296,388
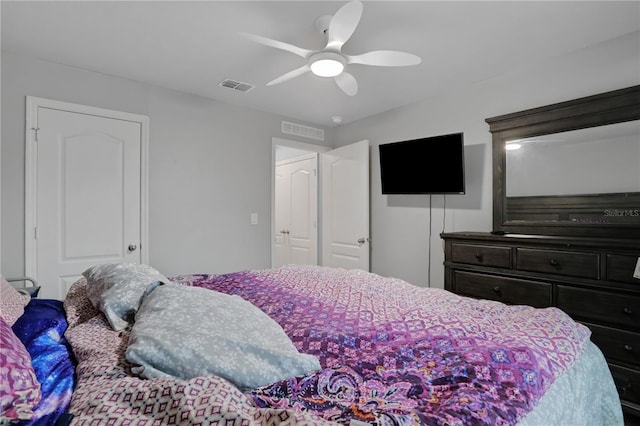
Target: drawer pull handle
x,y
628,348
497,289
623,388
479,257
627,311
554,262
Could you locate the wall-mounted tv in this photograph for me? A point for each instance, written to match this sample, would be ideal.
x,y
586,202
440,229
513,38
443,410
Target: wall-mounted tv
x,y
431,165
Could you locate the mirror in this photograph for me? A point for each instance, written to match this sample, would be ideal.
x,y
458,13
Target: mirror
x,y
596,160
571,168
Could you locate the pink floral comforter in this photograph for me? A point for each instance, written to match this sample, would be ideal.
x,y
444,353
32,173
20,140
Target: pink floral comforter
x,y
391,353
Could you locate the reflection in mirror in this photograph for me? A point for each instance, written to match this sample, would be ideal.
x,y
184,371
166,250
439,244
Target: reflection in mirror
x,y
595,160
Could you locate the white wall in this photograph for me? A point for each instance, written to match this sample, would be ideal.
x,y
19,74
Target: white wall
x,y
400,223
209,167
210,162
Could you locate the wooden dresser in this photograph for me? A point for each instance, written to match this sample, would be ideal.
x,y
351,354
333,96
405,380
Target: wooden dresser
x,y
591,279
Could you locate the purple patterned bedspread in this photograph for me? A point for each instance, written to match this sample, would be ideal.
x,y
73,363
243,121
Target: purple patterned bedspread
x,y
394,353
391,353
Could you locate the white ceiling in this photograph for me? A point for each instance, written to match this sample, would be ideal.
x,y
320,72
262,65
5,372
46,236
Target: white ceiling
x,y
193,45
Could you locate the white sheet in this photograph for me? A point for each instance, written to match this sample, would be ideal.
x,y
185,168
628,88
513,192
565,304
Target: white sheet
x,y
584,395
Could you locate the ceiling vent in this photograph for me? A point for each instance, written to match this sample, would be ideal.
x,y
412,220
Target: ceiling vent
x,y
236,85
304,131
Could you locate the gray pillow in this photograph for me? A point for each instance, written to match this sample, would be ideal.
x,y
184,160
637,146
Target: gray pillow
x,y
116,289
182,332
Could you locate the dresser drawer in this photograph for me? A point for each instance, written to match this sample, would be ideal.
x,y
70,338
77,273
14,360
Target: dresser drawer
x,y
569,263
617,345
627,382
507,290
476,254
599,306
620,268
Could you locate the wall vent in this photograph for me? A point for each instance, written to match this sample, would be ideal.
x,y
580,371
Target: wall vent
x,y
236,85
301,130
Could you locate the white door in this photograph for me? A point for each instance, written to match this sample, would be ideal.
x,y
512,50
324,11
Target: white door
x,y
345,206
88,193
296,211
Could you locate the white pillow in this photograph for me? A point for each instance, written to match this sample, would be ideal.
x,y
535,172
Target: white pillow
x,y
183,332
116,289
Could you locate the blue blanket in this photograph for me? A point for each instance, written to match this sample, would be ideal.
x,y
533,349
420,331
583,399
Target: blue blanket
x,y
41,328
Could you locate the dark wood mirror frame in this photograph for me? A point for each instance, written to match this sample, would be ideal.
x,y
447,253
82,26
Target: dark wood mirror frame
x,y
597,110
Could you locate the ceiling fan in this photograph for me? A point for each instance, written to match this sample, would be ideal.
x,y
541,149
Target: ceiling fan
x,y
330,61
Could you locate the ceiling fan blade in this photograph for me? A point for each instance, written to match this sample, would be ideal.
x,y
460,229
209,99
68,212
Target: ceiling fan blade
x,y
384,58
343,24
291,74
279,45
347,83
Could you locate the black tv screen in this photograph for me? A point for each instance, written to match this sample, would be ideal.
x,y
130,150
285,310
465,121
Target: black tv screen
x,y
432,165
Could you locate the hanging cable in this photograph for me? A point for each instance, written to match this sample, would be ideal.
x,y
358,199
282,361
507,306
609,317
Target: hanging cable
x,y
429,247
444,211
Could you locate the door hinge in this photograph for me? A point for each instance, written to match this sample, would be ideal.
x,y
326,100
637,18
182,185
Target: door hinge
x,y
35,129
314,172
35,232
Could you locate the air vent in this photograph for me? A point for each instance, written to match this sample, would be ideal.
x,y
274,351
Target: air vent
x,y
236,85
304,131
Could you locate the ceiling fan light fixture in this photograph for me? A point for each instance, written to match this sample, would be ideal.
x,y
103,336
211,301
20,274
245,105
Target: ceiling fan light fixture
x,y
327,64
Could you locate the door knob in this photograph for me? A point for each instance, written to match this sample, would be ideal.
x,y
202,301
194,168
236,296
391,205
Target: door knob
x,y
132,247
362,240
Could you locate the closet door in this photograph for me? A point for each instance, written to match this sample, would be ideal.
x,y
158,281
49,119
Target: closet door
x,y
88,192
296,211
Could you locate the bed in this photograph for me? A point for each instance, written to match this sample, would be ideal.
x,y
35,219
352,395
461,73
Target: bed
x,y
317,345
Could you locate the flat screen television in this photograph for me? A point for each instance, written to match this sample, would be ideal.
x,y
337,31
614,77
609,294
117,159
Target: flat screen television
x,y
431,165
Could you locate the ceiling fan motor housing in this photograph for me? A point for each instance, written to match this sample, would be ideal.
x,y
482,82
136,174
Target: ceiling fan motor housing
x,y
322,23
